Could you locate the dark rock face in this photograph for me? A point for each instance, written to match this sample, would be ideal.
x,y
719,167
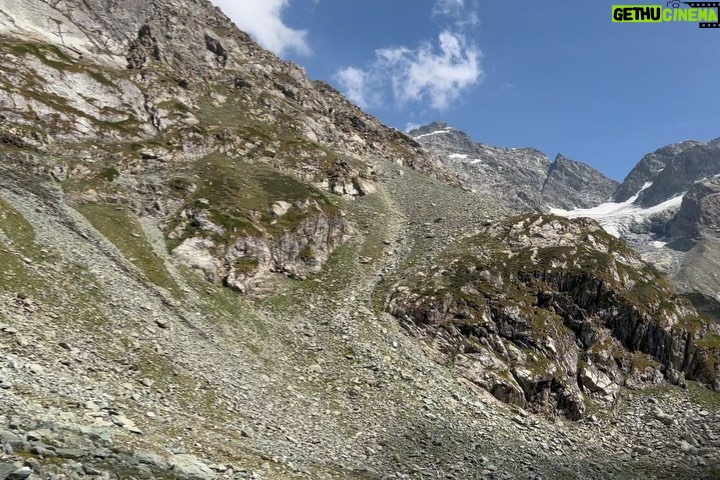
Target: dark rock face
x,y
648,167
699,214
696,227
680,173
539,310
570,184
524,177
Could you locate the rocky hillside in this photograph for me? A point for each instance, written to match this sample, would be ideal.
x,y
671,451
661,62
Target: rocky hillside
x,y
213,267
539,310
523,177
108,106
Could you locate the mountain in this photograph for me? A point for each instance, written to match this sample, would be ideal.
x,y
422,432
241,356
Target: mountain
x,y
666,208
571,183
213,267
682,171
524,177
647,168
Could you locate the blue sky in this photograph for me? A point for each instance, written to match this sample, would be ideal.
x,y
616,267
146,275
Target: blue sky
x,y
556,75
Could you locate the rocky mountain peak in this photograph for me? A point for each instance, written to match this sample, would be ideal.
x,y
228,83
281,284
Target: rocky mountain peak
x,y
525,177
436,126
560,159
693,162
649,167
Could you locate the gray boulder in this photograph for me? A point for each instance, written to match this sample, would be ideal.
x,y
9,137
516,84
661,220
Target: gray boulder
x,y
189,467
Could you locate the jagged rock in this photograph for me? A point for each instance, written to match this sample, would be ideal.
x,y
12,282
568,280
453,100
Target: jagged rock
x,y
195,252
681,171
647,169
597,382
6,469
524,177
699,214
662,416
570,184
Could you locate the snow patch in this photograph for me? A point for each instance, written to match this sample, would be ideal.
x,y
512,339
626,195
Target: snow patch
x,y
460,156
705,178
616,218
436,132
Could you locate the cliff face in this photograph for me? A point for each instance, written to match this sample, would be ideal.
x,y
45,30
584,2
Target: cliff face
x,y
648,167
570,184
541,310
699,213
681,172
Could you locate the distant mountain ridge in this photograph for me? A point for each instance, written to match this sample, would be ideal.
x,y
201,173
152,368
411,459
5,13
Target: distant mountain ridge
x,y
524,177
648,167
668,208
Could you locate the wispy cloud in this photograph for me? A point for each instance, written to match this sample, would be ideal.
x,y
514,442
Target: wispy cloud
x,y
410,126
449,8
262,19
355,85
460,11
432,74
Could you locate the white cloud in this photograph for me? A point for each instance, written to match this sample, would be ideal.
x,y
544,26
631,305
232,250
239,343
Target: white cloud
x,y
448,8
435,75
410,126
262,19
353,83
464,15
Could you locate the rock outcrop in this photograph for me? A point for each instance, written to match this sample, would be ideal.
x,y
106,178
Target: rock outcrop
x,y
541,310
681,172
699,214
125,104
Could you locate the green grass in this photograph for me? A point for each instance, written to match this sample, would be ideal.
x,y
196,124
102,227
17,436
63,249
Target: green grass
x,y
83,304
50,55
110,174
710,341
15,226
704,396
239,195
123,229
245,265
14,274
